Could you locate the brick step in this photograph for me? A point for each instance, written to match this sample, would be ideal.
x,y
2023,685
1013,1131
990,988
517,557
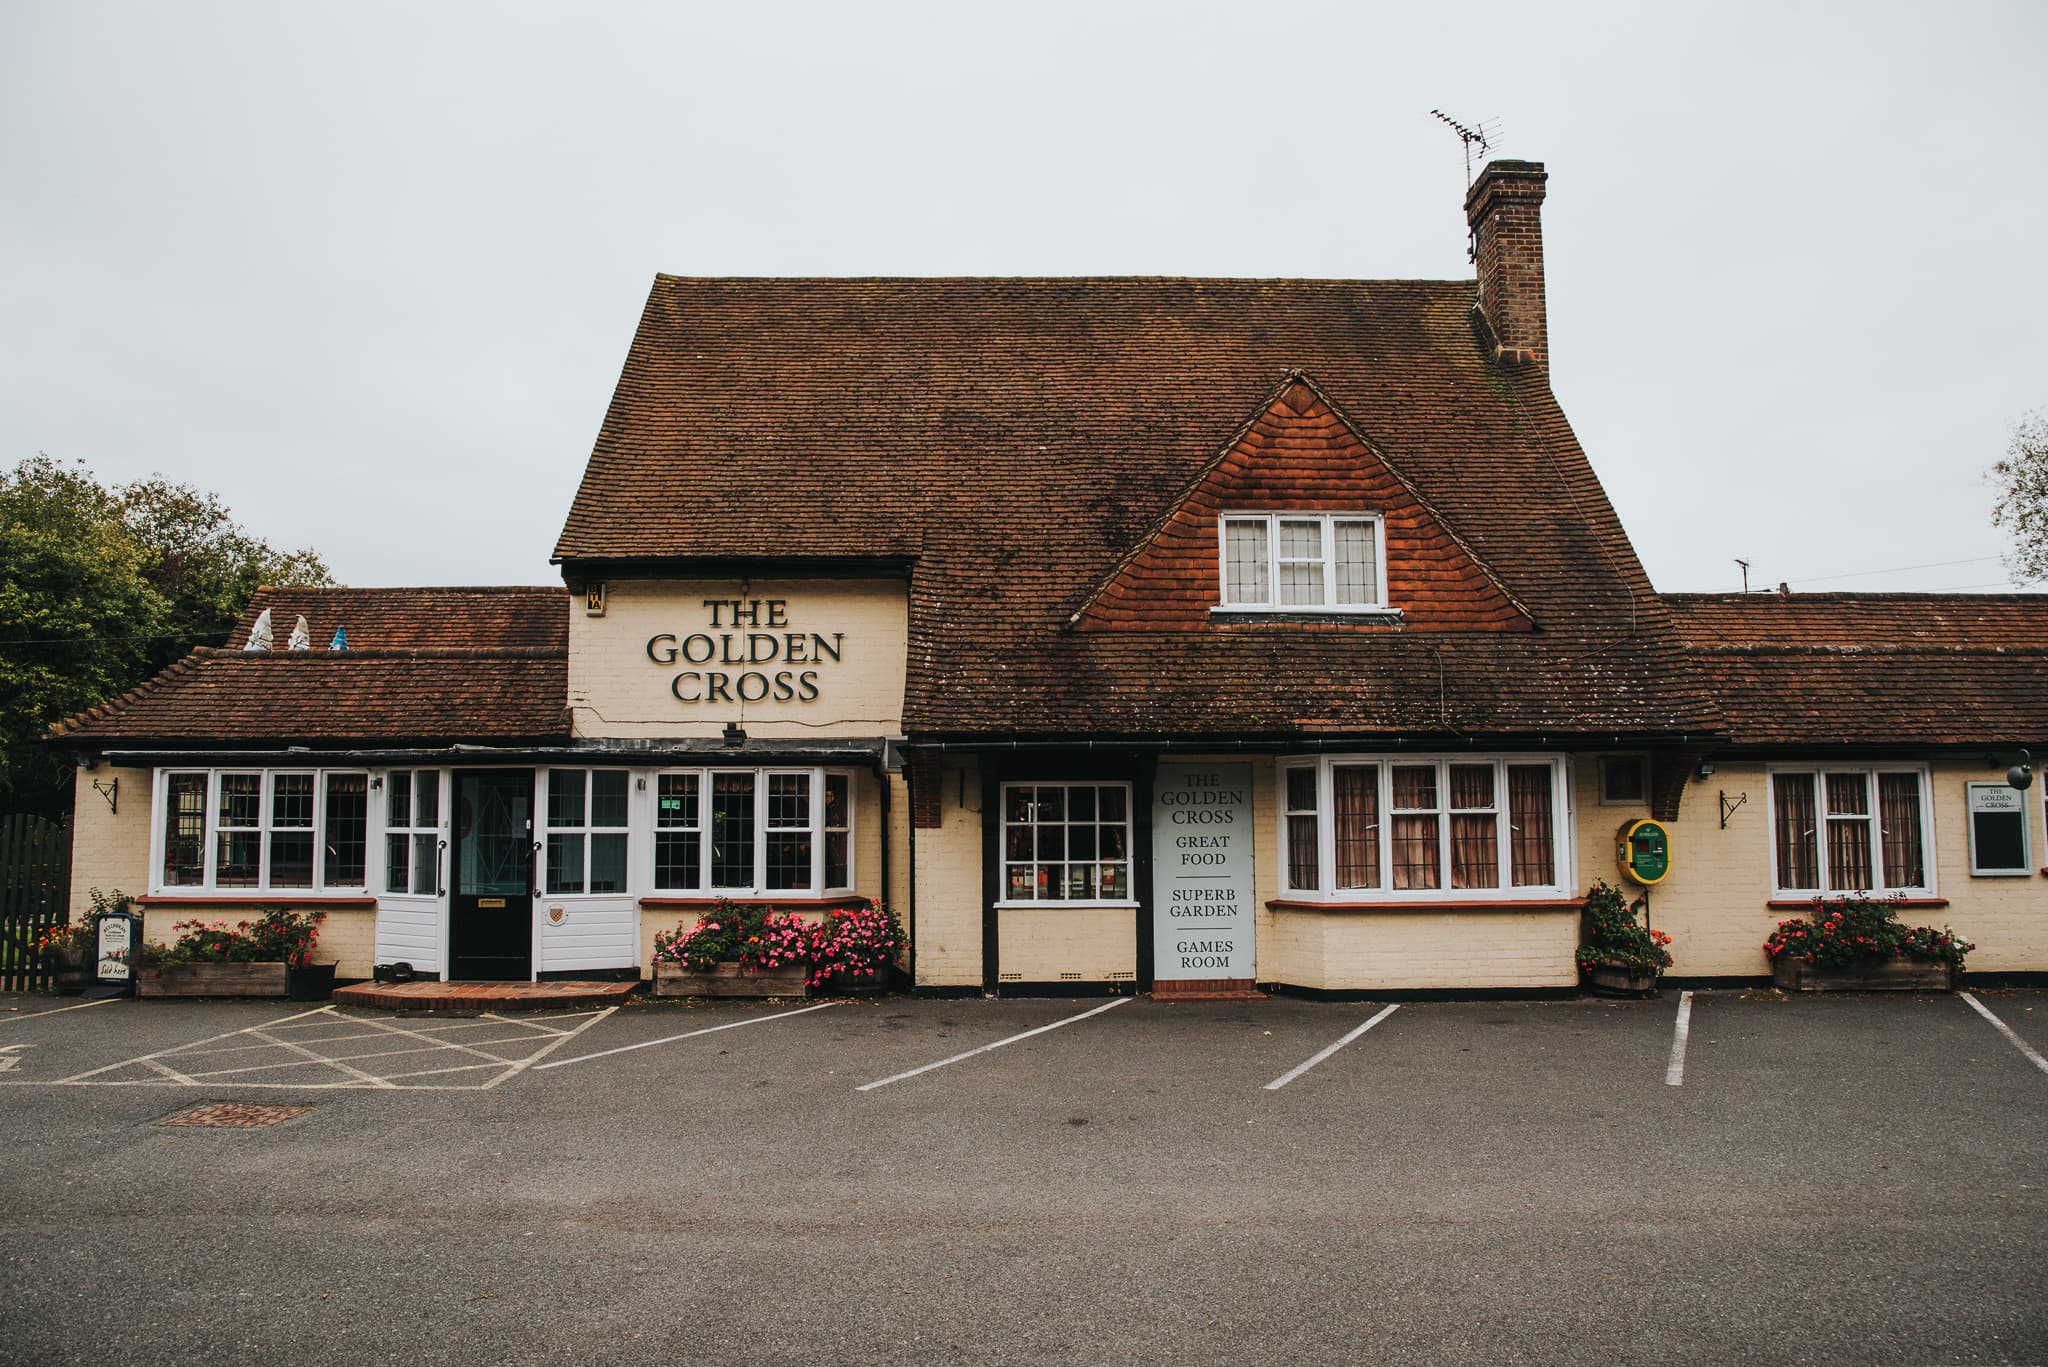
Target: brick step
x,y
468,996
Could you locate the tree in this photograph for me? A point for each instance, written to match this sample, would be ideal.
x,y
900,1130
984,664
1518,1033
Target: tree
x,y
101,587
2023,498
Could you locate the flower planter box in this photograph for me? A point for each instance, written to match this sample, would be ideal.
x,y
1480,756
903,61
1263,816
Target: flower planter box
x,y
1882,975
70,973
727,980
1621,980
313,983
211,980
854,985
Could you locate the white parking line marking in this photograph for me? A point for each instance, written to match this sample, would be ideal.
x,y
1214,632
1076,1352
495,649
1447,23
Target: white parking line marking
x,y
178,1048
708,1030
2007,1031
1093,1011
1298,1069
549,1048
269,1036
1674,1072
76,1006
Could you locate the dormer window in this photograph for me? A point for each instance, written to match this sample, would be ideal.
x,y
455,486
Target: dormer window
x,y
1303,562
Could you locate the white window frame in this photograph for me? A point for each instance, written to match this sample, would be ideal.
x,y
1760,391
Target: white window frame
x,y
1003,825
583,830
815,827
1328,560
208,886
1819,772
1562,825
2026,864
380,802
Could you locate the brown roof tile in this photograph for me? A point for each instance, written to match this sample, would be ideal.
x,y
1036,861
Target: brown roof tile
x,y
1894,669
453,665
1019,437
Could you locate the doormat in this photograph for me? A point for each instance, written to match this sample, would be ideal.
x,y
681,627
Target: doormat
x,y
234,1115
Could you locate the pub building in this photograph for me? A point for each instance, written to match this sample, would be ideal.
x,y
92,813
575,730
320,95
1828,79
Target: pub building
x,y
1182,635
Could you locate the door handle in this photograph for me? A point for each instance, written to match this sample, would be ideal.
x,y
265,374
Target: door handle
x,y
533,871
441,869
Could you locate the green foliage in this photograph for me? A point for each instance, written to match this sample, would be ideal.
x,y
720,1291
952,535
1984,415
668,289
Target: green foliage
x,y
274,936
101,587
1860,930
2022,507
1611,934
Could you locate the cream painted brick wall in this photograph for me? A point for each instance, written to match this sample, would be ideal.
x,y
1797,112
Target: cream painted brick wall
x,y
616,690
949,886
348,935
1407,949
1075,944
109,848
1714,904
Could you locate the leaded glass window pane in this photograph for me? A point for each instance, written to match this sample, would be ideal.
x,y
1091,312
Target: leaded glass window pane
x,y
732,830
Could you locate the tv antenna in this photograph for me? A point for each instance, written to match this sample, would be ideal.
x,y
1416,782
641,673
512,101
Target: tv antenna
x,y
1745,574
1484,135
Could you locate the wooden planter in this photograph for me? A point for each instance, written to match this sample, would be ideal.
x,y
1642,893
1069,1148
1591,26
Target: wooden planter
x,y
1621,980
211,980
1880,975
70,972
727,980
852,985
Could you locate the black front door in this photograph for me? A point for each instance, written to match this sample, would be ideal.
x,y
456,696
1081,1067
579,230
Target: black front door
x,y
490,906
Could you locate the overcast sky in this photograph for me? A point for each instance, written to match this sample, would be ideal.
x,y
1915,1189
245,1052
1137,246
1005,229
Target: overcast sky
x,y
369,271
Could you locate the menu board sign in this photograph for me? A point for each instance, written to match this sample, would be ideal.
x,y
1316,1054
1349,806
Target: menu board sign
x,y
1202,872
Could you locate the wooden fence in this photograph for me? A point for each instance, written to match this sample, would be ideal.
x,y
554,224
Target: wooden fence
x,y
35,894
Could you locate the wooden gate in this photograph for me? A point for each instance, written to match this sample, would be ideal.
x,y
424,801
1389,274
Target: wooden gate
x,y
35,894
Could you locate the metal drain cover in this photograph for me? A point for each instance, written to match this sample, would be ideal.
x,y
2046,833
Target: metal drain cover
x,y
234,1115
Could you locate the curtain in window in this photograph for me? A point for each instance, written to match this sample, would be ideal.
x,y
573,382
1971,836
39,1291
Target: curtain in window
x,y
1358,825
1301,830
1531,841
1793,811
1247,560
1849,866
1475,841
1358,565
1415,835
1898,816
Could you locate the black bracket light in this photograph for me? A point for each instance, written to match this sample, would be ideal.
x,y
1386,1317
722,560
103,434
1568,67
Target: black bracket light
x,y
2021,775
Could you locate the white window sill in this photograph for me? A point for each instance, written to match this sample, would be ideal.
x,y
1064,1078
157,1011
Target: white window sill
x,y
1048,902
1301,610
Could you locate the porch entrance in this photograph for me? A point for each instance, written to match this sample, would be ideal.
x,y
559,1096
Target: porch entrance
x,y
490,902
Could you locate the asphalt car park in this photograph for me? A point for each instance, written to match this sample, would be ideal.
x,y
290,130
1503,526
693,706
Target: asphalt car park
x,y
1837,1179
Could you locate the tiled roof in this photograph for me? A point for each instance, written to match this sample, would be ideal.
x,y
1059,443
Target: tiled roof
x,y
1019,437
1872,669
491,618
423,665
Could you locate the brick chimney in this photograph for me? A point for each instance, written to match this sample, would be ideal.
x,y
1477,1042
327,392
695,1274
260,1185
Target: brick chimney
x,y
1505,209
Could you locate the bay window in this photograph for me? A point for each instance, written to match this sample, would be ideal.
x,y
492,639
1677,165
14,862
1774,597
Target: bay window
x,y
1840,829
262,830
1357,827
753,832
